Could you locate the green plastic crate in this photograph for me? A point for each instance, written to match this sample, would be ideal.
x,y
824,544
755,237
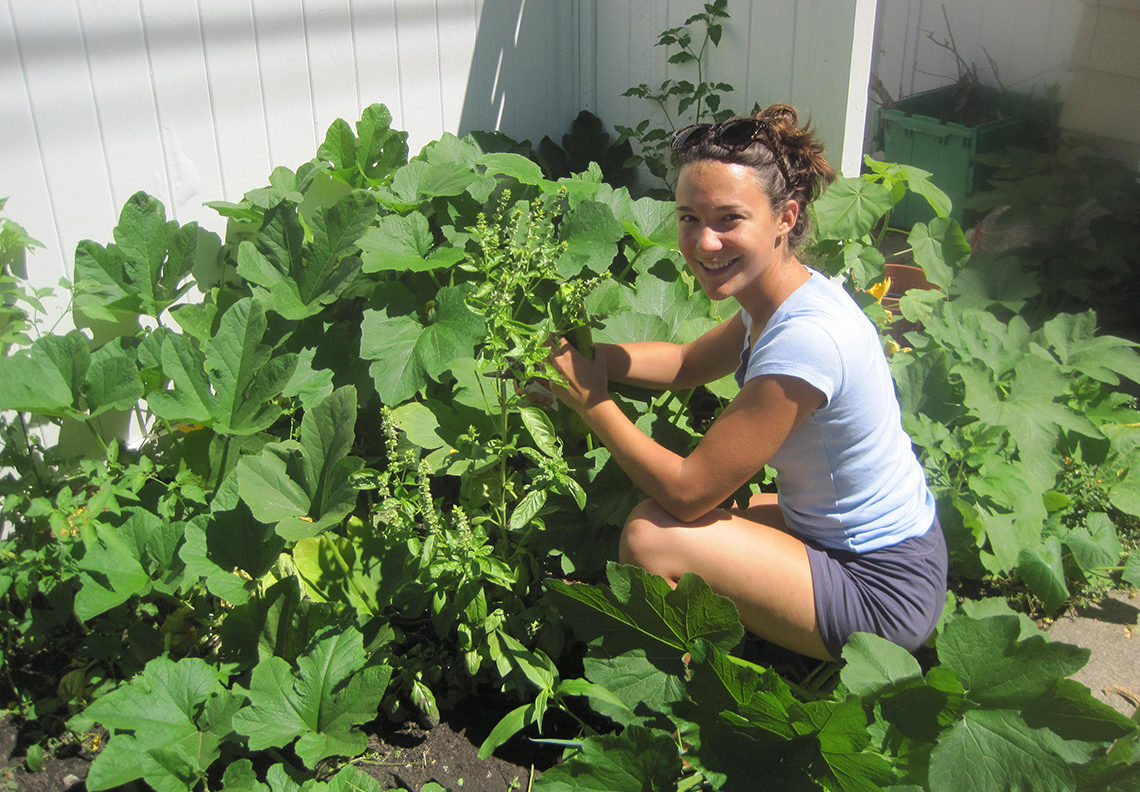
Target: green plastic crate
x,y
914,133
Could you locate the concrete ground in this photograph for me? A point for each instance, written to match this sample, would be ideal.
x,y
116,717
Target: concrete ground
x,y
1112,631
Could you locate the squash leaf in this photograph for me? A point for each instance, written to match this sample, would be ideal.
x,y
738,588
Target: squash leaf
x,y
304,487
319,702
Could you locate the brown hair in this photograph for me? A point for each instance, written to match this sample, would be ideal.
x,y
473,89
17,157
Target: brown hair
x,y
781,147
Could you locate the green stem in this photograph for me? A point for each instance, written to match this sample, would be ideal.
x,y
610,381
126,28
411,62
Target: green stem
x,y
98,437
700,74
504,528
31,452
222,463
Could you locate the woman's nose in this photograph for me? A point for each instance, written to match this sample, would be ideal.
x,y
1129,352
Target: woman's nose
x,y
708,239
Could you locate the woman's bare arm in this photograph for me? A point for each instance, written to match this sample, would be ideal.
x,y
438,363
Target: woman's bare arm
x,y
738,444
661,366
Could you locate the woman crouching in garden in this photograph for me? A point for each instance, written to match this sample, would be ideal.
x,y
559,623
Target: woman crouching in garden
x,y
850,543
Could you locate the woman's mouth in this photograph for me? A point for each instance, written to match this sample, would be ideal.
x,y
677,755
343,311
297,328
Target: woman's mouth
x,y
718,265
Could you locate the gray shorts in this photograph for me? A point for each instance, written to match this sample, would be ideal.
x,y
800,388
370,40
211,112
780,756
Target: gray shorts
x,y
896,592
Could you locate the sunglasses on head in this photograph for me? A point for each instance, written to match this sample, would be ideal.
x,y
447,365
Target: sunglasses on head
x,y
738,133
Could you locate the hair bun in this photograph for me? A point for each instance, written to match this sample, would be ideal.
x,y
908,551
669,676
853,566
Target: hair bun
x,y
780,116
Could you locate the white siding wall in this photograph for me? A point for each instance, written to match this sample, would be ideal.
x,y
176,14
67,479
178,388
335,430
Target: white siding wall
x,y
197,100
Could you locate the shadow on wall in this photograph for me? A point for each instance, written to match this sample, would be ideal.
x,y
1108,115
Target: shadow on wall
x,y
522,79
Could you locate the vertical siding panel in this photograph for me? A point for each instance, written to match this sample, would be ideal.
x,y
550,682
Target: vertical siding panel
x,y
128,121
24,181
456,23
616,52
279,38
65,130
24,184
540,103
486,94
417,45
378,66
586,66
821,67
178,69
235,90
328,41
771,48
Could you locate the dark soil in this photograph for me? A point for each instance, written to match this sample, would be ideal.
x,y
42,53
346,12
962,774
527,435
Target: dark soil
x,y
408,757
63,771
399,757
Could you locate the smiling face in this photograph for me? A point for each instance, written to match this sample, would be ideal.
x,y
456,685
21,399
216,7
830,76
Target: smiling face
x,y
728,233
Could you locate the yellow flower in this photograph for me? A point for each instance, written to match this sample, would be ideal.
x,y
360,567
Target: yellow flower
x,y
880,289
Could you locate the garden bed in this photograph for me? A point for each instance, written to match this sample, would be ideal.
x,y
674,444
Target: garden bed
x,y
345,504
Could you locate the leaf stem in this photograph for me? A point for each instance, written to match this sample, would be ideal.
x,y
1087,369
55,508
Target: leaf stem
x,y
222,463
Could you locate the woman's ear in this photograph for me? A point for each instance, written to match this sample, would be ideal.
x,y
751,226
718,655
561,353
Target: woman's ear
x,y
788,217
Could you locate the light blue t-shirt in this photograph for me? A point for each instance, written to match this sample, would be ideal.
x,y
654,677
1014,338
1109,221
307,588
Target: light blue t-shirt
x,y
847,476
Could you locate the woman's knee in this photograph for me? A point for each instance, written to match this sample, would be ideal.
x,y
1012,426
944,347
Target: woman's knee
x,y
642,535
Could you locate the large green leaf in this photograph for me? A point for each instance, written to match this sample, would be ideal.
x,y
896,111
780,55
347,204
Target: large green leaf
x,y
1071,711
200,565
1031,412
637,760
631,326
304,487
59,376
640,608
419,181
940,248
399,243
686,313
997,669
319,703
977,335
850,208
144,271
231,387
390,343
43,379
591,233
840,728
368,157
1040,566
406,354
639,627
1073,339
296,276
994,751
167,726
722,683
873,664
110,572
650,222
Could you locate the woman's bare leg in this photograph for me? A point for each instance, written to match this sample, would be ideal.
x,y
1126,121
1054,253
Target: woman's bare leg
x,y
747,556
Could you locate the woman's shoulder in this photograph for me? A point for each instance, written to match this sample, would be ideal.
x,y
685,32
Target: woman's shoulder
x,y
817,300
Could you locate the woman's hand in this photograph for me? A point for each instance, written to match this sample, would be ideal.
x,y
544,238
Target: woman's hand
x,y
586,381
